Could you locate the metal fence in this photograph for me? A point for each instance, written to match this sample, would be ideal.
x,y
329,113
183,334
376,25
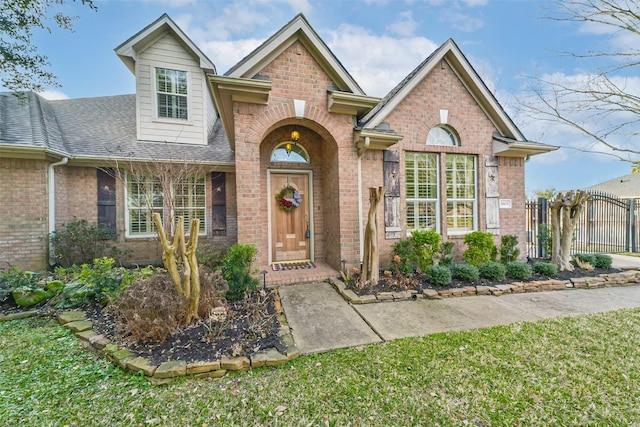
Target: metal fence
x,y
608,224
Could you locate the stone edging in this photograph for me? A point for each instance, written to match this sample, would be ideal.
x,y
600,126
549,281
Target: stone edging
x,y
76,321
622,278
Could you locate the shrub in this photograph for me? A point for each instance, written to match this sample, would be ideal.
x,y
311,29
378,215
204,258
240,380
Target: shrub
x,y
438,275
236,270
518,270
544,237
445,258
213,289
509,251
79,242
465,272
15,279
481,248
210,256
545,268
98,282
586,261
602,261
402,257
425,247
149,310
492,270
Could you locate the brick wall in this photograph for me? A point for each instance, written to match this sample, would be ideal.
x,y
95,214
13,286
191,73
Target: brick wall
x,y
295,74
419,112
23,214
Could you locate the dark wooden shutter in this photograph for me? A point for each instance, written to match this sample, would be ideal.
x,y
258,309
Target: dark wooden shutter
x,y
107,199
219,203
392,196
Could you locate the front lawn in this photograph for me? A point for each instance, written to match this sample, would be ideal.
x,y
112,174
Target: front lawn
x,y
581,370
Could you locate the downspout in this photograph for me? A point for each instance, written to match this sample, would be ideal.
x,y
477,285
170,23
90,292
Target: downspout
x,y
52,202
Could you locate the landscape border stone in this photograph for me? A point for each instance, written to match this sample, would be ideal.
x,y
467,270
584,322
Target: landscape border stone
x,y
625,277
76,321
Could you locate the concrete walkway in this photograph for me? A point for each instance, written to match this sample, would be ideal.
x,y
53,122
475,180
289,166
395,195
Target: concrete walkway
x,y
321,320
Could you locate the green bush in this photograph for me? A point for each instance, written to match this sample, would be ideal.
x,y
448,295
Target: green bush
x,y
602,261
545,268
210,255
438,275
402,257
481,248
445,257
518,270
236,270
509,251
544,238
425,247
79,242
14,279
98,282
465,272
492,270
590,258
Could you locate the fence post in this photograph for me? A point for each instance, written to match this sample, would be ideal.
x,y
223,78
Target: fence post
x,y
542,220
633,219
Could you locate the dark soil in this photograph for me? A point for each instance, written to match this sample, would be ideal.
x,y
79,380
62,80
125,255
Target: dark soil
x,y
396,284
250,325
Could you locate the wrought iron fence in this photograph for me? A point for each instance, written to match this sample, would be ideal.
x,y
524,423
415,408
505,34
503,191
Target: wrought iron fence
x,y
608,224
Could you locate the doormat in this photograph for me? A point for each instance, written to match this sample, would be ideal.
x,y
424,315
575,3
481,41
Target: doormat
x,y
284,266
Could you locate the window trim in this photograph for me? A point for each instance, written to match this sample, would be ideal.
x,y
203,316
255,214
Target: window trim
x,y
153,234
426,200
474,226
442,201
453,136
156,92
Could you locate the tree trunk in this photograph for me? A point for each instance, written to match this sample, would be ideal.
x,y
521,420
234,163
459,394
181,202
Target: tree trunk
x,y
566,209
188,284
371,259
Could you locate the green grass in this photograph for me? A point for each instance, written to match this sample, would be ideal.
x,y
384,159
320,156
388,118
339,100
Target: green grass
x,y
574,371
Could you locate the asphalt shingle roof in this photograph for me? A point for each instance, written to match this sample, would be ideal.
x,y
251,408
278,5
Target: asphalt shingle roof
x,y
96,128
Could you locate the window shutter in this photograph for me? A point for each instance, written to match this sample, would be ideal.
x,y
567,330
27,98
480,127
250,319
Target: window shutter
x,y
107,199
219,203
392,195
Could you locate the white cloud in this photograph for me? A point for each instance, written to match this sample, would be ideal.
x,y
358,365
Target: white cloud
x,y
404,25
226,54
376,62
53,95
462,21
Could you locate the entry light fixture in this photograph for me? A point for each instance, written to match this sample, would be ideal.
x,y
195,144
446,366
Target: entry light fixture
x,y
295,137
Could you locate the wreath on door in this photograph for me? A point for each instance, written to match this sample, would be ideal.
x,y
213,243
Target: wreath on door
x,y
288,198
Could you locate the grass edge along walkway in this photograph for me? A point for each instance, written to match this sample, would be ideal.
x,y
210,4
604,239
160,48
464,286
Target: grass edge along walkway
x,y
576,370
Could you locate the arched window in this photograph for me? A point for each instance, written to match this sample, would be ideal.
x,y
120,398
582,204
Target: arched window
x,y
441,135
289,152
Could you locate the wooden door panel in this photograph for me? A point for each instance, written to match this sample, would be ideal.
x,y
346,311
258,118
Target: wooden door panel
x,y
289,229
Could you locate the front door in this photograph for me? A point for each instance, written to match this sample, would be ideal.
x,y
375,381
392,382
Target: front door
x,y
290,219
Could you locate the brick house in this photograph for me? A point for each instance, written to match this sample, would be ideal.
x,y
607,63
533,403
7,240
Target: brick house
x,y
288,120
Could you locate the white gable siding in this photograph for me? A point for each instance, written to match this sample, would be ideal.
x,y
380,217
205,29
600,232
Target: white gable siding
x,y
212,113
166,52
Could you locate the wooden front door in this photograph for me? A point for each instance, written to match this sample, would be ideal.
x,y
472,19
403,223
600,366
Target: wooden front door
x,y
290,229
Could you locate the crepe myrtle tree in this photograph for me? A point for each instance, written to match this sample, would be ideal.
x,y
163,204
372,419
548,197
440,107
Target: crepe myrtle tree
x,y
22,66
566,208
163,187
602,104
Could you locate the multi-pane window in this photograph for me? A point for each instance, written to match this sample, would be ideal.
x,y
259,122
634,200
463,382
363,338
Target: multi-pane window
x,y
440,135
171,86
145,197
423,179
422,190
189,201
460,172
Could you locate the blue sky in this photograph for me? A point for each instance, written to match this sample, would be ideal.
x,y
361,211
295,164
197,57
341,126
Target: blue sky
x,y
378,41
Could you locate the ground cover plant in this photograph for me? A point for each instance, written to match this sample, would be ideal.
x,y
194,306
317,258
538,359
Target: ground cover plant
x,y
579,370
141,309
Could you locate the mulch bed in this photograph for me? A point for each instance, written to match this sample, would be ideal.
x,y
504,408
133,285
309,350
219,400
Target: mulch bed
x,y
244,331
398,284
